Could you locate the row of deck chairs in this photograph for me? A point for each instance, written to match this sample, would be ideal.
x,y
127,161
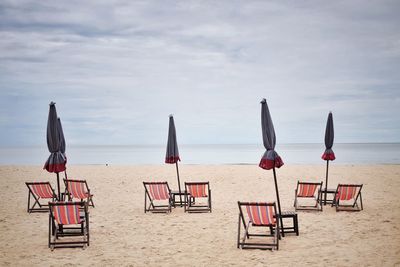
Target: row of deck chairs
x,y
66,218
347,197
159,197
261,219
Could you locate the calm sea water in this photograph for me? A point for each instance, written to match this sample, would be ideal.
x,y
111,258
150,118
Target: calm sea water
x,y
208,154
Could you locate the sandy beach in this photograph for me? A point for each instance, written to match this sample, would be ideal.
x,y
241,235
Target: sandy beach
x,y
122,234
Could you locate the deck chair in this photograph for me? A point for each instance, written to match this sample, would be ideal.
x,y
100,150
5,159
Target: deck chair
x,y
159,196
68,224
309,194
347,197
195,191
78,189
39,191
262,216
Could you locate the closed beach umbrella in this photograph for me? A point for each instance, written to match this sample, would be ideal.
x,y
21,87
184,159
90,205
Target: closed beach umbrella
x,y
172,154
328,154
62,142
56,161
270,159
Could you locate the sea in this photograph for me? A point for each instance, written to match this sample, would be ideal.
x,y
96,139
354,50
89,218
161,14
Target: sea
x,y
359,153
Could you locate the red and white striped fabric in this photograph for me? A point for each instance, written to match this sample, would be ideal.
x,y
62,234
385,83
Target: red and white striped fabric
x,y
306,190
158,191
77,189
346,192
261,215
66,214
197,190
42,190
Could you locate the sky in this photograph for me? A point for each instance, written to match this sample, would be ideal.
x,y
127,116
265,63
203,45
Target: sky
x,y
117,69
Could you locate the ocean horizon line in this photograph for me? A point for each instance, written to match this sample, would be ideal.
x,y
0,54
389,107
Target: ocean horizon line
x,y
205,144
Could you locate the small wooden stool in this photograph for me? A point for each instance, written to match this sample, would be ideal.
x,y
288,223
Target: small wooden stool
x,y
290,229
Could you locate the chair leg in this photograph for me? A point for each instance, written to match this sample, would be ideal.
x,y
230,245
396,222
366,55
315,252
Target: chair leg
x,y
209,200
29,200
246,233
278,235
145,203
238,235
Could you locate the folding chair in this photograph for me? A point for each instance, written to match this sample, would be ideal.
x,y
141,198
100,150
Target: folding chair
x,y
308,194
78,189
68,224
159,195
195,191
38,191
347,196
262,216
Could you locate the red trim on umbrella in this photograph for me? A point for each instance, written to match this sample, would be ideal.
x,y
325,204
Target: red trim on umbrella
x,y
328,156
172,159
268,164
55,167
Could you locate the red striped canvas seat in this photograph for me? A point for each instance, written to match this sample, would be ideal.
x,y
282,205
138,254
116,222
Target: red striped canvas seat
x,y
261,215
66,214
42,190
346,192
77,189
253,215
307,190
158,191
197,190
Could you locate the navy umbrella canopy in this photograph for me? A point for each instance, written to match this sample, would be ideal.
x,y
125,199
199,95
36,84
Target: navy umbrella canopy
x,y
172,154
56,161
62,139
328,154
329,135
270,159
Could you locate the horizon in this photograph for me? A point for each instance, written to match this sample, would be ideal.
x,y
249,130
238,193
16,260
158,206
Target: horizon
x,y
198,144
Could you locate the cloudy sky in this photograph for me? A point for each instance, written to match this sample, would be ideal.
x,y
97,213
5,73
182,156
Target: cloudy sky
x,y
117,69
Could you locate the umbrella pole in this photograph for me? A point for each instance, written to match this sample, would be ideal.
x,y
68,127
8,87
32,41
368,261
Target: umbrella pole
x,y
279,203
58,185
326,180
179,183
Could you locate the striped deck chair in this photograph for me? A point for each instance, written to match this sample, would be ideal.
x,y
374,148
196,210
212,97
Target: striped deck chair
x,y
195,191
68,224
78,189
262,216
159,196
38,191
347,197
309,194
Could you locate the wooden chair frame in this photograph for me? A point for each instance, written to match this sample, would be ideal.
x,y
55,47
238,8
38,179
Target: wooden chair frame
x,y
348,207
274,229
59,232
43,207
190,201
68,194
153,207
317,206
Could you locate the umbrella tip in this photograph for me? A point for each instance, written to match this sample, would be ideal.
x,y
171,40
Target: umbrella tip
x,y
52,103
171,115
263,101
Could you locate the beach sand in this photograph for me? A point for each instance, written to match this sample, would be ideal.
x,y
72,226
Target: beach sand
x,y
122,234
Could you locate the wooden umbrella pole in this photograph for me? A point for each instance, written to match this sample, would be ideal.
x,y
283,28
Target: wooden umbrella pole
x,y
279,202
326,181
58,186
179,183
